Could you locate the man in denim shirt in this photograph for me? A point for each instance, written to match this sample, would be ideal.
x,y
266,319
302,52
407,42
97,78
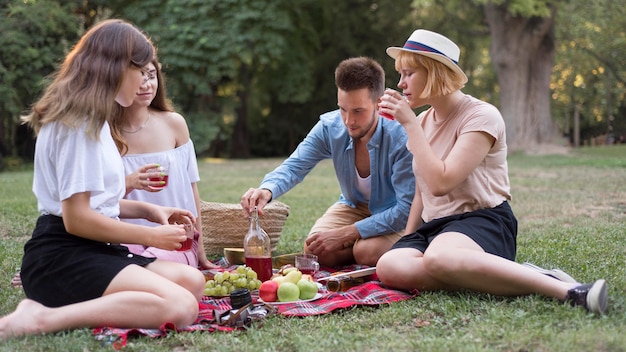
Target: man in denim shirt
x,y
372,165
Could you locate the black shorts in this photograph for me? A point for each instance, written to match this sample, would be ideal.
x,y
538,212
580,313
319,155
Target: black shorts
x,y
493,229
60,269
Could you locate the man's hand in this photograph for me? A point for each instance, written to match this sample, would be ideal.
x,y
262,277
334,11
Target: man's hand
x,y
255,197
327,242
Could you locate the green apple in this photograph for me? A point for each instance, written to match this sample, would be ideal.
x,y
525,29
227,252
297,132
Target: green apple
x,y
288,292
308,289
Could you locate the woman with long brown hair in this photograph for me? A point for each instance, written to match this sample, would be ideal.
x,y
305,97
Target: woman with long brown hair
x,y
74,272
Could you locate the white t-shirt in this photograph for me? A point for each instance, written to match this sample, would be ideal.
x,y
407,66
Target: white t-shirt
x,y
67,161
364,185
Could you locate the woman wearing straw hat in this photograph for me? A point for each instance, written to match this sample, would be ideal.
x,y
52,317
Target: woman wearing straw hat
x,y
461,232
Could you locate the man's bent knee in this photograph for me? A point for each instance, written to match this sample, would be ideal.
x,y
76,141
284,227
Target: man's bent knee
x,y
367,252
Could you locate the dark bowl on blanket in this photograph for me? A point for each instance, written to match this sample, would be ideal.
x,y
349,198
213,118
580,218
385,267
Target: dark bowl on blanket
x,y
234,256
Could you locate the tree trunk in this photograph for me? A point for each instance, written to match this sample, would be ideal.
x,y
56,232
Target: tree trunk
x,y
576,126
522,51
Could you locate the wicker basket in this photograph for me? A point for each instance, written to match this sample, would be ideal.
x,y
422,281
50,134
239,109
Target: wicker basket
x,y
224,226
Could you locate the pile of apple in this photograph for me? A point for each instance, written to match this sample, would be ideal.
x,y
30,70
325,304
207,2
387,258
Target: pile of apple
x,y
288,285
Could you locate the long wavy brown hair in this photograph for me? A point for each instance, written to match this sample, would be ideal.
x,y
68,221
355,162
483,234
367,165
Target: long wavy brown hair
x,y
83,89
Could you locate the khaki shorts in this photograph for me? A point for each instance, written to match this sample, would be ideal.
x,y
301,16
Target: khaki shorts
x,y
339,215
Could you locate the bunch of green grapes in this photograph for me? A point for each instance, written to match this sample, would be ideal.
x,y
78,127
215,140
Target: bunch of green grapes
x,y
226,282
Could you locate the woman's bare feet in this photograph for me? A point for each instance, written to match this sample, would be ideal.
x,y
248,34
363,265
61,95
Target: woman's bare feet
x,y
25,320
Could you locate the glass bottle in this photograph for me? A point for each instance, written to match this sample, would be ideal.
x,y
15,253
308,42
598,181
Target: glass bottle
x,y
343,283
258,249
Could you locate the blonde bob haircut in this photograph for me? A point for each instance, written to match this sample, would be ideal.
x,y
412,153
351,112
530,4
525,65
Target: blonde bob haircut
x,y
440,79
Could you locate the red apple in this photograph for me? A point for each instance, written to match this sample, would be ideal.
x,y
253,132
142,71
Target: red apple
x,y
268,291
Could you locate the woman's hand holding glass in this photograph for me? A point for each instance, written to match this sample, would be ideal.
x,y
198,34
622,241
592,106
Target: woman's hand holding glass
x,y
140,179
177,225
395,105
158,177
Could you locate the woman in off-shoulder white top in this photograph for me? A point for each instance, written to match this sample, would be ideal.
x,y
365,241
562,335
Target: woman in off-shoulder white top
x,y
150,134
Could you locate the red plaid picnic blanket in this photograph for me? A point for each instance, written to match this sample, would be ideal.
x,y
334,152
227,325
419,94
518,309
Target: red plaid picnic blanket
x,y
205,322
370,293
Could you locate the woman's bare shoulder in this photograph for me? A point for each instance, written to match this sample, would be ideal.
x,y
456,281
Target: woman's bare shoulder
x,y
178,124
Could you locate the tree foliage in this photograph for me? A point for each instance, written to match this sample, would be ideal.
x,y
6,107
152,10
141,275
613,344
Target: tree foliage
x,y
252,76
343,29
583,29
228,56
34,36
589,78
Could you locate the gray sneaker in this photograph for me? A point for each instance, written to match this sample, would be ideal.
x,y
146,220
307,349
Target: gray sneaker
x,y
555,273
593,297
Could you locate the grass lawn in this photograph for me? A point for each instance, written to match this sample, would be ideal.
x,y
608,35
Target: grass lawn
x,y
572,215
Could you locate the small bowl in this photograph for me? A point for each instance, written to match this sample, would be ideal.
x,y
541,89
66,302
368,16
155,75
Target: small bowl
x,y
234,256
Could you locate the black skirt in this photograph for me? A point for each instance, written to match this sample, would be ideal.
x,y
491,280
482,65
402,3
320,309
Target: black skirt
x,y
493,229
59,268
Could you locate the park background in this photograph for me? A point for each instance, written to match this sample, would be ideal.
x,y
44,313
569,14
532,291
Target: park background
x,y
252,77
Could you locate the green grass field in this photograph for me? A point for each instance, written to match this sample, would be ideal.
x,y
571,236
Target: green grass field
x,y
572,215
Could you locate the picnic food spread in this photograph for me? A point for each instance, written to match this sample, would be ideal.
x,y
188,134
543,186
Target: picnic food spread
x,y
287,284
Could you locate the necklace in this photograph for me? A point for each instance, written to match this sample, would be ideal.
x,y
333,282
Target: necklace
x,y
140,127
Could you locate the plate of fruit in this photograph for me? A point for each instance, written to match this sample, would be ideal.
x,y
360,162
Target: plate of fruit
x,y
316,297
288,286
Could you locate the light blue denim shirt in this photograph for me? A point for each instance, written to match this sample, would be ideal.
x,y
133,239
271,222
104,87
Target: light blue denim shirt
x,y
392,181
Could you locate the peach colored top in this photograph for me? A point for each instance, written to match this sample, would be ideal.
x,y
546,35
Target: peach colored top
x,y
488,185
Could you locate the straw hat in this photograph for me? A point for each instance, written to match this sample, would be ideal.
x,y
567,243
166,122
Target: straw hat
x,y
434,46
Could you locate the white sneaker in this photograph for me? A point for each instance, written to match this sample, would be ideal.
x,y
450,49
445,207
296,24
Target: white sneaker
x,y
555,273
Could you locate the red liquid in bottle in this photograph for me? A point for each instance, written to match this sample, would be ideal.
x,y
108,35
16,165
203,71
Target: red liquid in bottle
x,y
262,266
163,178
186,245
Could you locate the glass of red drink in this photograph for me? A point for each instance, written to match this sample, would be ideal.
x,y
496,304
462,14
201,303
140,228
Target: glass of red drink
x,y
186,244
307,263
159,174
